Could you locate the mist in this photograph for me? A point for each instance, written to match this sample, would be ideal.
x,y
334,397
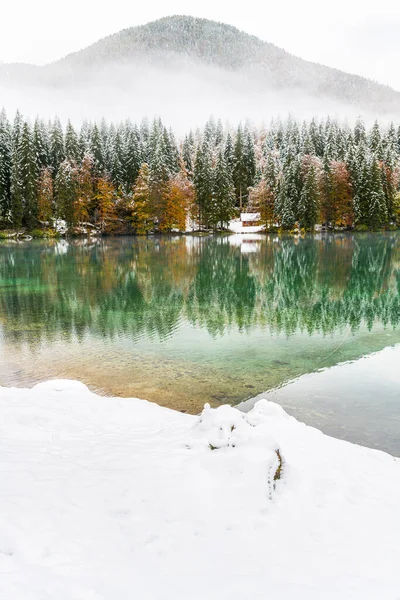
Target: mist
x,y
184,94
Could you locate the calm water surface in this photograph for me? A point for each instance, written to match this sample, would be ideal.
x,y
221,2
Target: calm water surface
x,y
187,320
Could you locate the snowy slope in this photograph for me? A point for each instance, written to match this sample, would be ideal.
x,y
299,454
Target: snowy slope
x,y
115,499
184,69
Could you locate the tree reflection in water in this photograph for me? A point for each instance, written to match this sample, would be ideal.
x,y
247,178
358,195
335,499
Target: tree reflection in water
x,y
148,287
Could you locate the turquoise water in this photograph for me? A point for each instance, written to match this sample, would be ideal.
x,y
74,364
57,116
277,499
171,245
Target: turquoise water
x,y
186,320
357,400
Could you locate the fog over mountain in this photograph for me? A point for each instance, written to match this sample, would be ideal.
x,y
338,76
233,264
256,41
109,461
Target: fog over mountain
x,y
185,69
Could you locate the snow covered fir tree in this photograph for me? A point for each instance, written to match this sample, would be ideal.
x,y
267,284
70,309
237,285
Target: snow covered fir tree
x,y
140,178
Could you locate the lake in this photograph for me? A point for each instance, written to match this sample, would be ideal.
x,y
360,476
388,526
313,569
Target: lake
x,y
187,320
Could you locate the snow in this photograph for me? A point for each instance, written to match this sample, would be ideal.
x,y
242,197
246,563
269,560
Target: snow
x,y
114,499
60,225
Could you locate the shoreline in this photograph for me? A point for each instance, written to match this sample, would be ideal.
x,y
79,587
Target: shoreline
x,y
47,235
271,397
108,491
311,397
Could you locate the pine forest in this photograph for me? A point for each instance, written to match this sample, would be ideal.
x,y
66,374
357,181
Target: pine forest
x,y
141,178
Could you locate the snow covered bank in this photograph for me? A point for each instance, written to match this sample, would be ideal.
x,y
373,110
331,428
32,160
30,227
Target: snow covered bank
x,y
114,499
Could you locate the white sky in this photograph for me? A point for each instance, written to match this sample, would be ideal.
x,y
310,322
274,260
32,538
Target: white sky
x,y
353,35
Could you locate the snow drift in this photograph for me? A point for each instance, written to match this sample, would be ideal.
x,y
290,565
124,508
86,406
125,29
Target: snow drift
x,y
109,498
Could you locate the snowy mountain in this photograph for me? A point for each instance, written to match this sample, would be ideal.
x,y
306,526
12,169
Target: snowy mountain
x,y
192,68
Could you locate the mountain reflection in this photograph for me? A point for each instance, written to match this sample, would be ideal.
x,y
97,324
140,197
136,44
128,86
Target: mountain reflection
x,y
149,287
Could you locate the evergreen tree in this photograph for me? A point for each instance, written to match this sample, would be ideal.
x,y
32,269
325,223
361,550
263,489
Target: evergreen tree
x,y
171,151
97,151
239,169
145,141
229,153
293,184
360,135
390,142
57,150
84,139
374,140
132,158
26,161
116,158
41,145
154,138
159,176
187,154
105,132
327,193
307,143
244,165
330,148
16,132
278,135
309,203
203,183
317,138
5,169
284,208
250,160
223,199
359,173
16,185
377,209
73,151
210,130
219,134
344,137
66,189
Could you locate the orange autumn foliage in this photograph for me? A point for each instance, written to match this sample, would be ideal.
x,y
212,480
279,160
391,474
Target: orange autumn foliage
x,y
177,198
106,198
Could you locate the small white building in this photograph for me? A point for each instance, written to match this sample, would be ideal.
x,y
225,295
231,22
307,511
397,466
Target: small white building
x,y
247,223
250,219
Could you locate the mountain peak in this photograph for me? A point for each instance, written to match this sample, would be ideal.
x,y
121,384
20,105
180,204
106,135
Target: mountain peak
x,y
198,38
181,65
